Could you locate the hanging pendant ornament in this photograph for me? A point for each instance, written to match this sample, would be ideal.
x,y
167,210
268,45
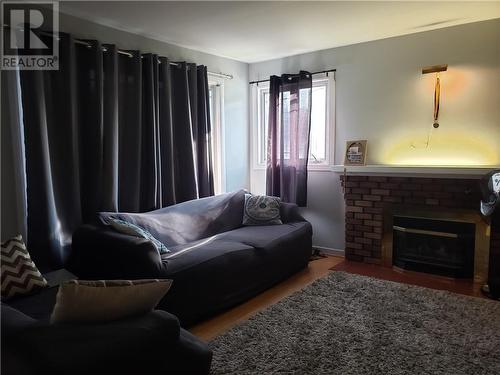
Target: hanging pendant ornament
x,y
437,88
437,92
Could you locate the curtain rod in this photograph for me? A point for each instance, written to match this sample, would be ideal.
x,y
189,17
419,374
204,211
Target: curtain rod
x,y
122,52
320,72
126,53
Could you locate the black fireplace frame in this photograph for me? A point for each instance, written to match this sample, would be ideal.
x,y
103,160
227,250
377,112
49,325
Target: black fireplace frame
x,y
483,229
437,246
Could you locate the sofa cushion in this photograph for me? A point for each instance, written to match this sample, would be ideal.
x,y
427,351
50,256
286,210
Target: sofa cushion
x,y
189,221
192,255
208,275
266,236
14,320
217,272
137,345
37,305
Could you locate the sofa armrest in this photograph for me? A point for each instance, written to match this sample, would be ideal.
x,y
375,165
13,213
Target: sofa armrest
x,y
192,356
290,213
102,253
127,346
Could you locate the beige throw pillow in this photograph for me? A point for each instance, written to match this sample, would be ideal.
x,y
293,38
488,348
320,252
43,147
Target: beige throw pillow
x,y
103,301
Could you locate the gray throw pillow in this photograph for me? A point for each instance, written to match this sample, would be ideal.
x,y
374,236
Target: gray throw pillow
x,y
136,231
261,210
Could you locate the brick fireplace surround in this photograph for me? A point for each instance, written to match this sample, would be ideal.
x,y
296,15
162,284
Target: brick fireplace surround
x,y
368,199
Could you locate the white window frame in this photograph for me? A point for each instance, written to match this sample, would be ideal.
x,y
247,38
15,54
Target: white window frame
x,y
216,85
258,140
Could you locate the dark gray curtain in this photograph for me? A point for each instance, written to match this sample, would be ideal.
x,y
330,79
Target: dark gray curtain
x,y
288,137
109,132
202,128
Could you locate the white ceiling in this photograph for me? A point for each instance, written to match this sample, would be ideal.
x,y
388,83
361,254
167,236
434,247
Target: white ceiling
x,y
252,31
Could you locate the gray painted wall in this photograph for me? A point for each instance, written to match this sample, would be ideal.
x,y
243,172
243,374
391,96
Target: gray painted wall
x,y
382,96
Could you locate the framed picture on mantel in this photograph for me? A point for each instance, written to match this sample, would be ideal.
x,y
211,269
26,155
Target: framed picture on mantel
x,y
355,153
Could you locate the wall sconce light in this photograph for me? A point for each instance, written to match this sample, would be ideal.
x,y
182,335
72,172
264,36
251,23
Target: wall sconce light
x,y
437,88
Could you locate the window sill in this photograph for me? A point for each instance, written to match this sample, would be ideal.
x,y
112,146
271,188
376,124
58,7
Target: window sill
x,y
319,168
310,168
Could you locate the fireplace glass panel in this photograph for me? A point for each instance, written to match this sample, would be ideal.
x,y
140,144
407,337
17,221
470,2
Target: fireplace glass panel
x,y
434,246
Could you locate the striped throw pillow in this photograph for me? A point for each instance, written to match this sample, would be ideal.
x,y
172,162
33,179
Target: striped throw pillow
x,y
18,272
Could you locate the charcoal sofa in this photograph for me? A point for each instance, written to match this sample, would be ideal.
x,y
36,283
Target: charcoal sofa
x,y
214,260
151,343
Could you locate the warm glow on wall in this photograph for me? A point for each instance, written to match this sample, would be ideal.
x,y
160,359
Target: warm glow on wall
x,y
467,135
457,148
453,83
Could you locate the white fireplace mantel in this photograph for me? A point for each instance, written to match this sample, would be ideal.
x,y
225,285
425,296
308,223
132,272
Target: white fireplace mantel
x,y
469,172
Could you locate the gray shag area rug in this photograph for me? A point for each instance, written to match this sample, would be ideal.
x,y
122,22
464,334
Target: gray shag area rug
x,y
350,324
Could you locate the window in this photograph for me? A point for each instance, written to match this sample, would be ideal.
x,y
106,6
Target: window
x,y
322,120
216,96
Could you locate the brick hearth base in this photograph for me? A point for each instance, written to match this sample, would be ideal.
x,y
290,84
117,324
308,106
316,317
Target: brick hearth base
x,y
368,198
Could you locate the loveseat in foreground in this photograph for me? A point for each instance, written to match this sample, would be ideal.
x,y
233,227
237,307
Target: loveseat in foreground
x,y
151,343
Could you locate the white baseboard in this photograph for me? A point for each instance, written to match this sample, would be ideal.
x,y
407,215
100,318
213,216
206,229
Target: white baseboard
x,y
330,251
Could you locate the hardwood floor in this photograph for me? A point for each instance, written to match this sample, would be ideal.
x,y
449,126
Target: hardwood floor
x,y
467,287
217,325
